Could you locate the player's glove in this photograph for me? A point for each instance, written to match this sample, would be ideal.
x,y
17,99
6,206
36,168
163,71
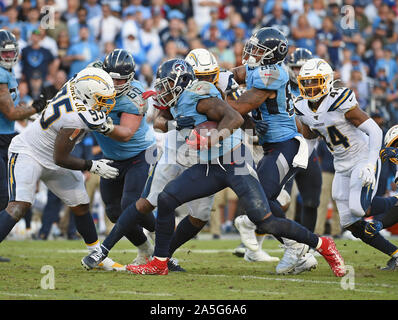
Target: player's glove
x,y
197,142
388,153
185,122
103,169
261,127
107,127
148,94
368,176
40,103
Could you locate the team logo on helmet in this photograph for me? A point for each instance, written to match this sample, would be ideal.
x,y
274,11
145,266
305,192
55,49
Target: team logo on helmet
x,y
282,48
180,66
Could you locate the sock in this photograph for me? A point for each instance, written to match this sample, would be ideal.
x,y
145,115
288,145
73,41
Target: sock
x,y
93,246
308,217
86,228
165,224
260,239
390,218
146,220
289,229
378,242
6,224
184,232
125,225
382,205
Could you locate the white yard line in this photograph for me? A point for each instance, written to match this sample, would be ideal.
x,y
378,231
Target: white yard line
x,y
158,294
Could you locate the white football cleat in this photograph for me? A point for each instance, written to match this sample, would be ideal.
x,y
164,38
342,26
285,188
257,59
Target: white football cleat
x,y
240,250
293,252
305,263
145,252
247,229
259,256
109,265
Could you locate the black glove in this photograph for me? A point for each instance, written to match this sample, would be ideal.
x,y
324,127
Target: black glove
x,y
185,122
261,127
40,103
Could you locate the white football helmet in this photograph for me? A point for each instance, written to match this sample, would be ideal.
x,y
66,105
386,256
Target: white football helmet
x,y
315,79
391,136
95,87
204,65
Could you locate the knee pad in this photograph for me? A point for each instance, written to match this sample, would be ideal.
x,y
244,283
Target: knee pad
x,y
167,202
357,229
113,212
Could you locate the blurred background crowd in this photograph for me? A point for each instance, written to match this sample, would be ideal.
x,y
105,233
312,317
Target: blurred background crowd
x,y
58,38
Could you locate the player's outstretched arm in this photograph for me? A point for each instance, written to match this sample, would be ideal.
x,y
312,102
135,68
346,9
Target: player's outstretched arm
x,y
251,99
64,143
129,124
7,106
239,74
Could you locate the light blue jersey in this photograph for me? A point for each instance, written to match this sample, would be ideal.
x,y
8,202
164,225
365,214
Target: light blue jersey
x,y
131,102
295,91
7,126
186,106
277,112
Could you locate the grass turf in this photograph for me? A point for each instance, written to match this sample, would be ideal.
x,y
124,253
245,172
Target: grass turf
x,y
213,273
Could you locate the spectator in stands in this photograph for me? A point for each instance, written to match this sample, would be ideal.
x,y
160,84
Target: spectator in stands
x,y
71,10
59,25
277,19
31,24
303,34
74,26
35,84
151,43
249,10
93,9
36,58
330,36
175,32
63,47
82,53
224,54
202,11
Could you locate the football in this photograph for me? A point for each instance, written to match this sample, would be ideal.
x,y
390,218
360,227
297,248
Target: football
x,y
203,128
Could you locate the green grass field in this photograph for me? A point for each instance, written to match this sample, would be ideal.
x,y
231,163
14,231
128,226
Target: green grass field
x,y
214,273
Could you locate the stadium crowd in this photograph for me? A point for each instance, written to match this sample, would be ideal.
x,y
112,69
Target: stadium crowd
x,y
58,38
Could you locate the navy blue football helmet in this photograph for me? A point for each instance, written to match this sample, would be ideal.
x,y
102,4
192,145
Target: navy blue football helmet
x,y
172,77
120,65
295,60
9,49
266,46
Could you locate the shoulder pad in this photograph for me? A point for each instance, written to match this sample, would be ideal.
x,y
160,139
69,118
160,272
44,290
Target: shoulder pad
x,y
92,118
134,95
270,77
202,88
4,75
340,96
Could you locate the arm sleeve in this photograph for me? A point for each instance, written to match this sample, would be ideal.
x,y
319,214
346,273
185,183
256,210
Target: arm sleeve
x,y
375,134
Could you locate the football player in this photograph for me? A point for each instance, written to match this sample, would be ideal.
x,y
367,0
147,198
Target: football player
x,y
10,109
42,152
172,163
126,139
268,98
224,162
353,138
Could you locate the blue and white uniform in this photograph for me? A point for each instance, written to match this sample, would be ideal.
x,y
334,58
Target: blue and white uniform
x,y
34,149
7,132
226,167
279,143
132,157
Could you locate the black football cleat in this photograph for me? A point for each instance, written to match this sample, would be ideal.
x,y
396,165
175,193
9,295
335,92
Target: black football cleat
x,y
173,266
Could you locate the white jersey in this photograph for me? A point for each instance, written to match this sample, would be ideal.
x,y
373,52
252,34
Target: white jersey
x,y
65,110
347,143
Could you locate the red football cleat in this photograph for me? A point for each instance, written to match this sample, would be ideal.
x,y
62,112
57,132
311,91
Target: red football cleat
x,y
155,266
329,251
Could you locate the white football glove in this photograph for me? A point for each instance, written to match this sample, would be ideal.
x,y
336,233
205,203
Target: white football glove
x,y
107,127
368,175
104,170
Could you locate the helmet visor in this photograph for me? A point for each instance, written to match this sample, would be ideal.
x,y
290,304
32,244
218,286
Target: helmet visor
x,y
312,87
104,102
165,94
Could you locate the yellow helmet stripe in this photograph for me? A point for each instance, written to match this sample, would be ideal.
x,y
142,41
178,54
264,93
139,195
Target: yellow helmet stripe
x,y
94,77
